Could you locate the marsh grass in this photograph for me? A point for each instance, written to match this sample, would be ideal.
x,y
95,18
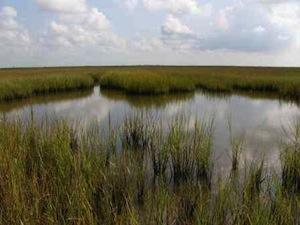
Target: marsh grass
x,y
138,132
237,146
24,87
190,150
158,80
290,158
150,80
58,173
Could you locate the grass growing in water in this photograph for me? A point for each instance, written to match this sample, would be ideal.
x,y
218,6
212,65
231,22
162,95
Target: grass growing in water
x,y
290,158
237,145
51,173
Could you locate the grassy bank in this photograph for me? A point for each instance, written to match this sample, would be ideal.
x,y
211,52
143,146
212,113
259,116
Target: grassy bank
x,y
19,88
156,80
44,99
55,173
27,82
23,83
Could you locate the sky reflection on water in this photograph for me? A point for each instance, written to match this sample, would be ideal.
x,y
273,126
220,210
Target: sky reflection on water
x,y
259,120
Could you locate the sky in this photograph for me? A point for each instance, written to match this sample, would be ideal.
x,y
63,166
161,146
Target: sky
x,y
149,32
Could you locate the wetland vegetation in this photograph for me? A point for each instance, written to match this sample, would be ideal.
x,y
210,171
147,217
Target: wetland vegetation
x,y
143,170
23,83
54,172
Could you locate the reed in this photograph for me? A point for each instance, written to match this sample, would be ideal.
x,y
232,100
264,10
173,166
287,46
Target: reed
x,y
153,80
284,82
58,173
17,88
237,145
290,158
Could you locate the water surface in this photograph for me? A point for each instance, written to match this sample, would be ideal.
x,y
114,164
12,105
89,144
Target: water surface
x,y
259,119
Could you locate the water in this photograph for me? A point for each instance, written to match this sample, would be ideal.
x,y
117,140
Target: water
x,y
259,119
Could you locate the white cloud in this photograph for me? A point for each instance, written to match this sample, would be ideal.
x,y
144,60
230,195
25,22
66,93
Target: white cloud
x,y
141,43
78,27
12,34
174,26
173,6
287,14
248,28
96,20
222,21
16,44
91,28
275,1
252,32
177,36
9,11
72,6
8,18
240,27
259,29
58,28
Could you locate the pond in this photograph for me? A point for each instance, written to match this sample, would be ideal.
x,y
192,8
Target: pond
x,y
258,119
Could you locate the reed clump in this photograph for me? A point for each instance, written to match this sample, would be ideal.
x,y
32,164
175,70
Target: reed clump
x,y
290,159
58,173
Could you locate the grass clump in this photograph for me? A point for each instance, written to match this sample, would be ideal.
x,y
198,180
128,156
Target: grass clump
x,y
190,150
55,173
290,159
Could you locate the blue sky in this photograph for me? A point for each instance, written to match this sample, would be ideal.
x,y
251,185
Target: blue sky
x,y
135,32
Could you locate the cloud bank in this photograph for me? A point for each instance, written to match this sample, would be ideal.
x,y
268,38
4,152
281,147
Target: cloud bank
x,y
146,31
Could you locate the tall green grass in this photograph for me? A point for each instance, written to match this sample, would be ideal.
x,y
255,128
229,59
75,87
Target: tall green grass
x,y
290,157
23,83
141,81
17,88
285,82
58,173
